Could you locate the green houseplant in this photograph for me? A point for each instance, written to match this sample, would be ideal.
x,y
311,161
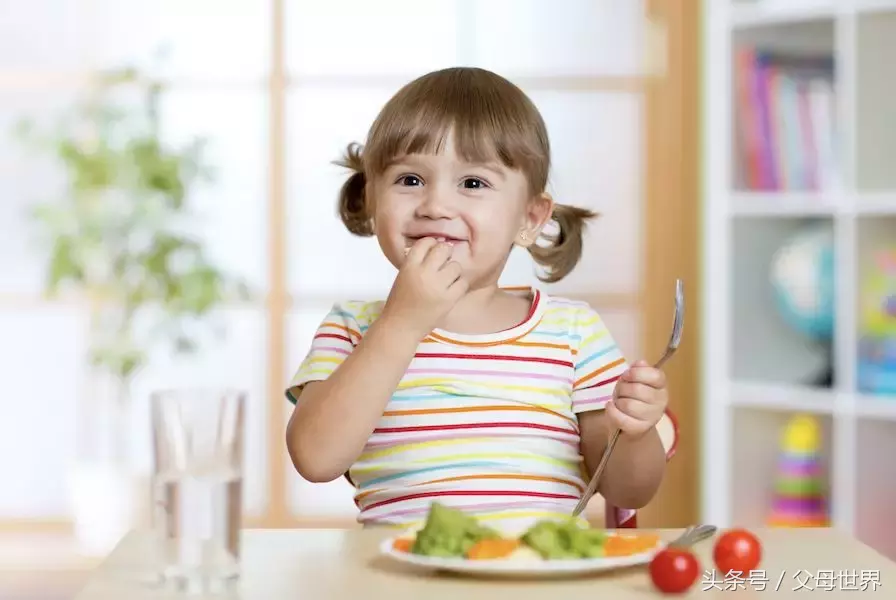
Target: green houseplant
x,y
119,240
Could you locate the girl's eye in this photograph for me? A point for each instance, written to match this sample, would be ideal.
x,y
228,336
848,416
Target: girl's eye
x,y
474,183
409,180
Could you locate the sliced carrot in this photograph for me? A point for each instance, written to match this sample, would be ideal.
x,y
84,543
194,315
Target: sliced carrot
x,y
492,548
618,546
403,545
628,544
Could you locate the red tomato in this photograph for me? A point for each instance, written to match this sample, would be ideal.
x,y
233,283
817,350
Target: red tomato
x,y
737,550
674,570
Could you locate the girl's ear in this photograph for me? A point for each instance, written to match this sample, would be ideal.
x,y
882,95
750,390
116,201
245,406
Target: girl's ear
x,y
538,213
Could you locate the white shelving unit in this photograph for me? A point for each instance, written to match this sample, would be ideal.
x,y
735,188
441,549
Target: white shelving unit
x,y
755,367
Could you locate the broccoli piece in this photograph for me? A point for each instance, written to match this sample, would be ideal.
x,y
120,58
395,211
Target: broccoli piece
x,y
559,540
449,533
543,537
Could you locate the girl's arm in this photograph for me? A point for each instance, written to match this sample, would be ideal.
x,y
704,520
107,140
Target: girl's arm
x,y
636,467
334,418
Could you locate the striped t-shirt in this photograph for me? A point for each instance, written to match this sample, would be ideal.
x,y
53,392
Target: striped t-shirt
x,y
486,423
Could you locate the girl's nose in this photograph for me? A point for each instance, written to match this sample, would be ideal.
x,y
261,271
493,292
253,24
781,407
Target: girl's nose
x,y
436,204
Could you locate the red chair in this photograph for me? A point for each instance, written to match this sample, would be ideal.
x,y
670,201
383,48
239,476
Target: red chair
x,y
621,518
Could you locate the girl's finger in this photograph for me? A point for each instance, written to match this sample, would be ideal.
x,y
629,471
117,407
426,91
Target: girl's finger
x,y
417,252
651,376
634,408
636,391
437,256
626,423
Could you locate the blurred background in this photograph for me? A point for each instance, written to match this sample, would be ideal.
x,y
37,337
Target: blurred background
x,y
799,210
167,219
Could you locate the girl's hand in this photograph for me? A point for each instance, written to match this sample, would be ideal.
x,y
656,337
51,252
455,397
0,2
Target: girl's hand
x,y
639,399
428,285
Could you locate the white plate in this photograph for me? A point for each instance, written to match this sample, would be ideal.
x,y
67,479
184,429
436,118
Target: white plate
x,y
525,567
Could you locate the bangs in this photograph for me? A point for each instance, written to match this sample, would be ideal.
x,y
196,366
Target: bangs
x,y
488,118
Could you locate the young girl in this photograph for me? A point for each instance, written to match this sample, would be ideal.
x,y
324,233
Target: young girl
x,y
496,401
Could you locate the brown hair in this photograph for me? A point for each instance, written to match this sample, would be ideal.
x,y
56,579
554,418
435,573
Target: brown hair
x,y
490,118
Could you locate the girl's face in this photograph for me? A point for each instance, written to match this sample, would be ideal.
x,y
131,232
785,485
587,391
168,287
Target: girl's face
x,y
481,209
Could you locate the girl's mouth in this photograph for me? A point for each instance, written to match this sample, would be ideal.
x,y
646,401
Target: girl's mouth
x,y
411,240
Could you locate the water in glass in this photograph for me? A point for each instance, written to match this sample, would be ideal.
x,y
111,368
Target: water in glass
x,y
198,484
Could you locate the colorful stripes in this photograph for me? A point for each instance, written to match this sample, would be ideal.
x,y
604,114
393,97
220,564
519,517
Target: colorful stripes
x,y
444,494
483,422
496,357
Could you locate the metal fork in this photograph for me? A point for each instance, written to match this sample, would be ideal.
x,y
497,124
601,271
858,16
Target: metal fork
x,y
693,535
671,347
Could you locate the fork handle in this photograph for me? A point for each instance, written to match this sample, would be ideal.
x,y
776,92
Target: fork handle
x,y
693,535
595,479
666,355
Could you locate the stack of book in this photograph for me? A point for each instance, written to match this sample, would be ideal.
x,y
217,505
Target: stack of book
x,y
786,121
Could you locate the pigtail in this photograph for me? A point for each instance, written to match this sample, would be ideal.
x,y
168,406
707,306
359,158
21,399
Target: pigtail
x,y
564,248
353,207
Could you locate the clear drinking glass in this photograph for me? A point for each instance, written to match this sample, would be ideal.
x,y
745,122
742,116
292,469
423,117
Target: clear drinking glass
x,y
197,485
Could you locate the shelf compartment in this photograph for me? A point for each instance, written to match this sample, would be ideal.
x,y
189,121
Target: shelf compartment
x,y
869,7
785,116
875,132
783,398
876,204
755,462
876,485
756,13
876,407
764,346
811,204
876,306
786,204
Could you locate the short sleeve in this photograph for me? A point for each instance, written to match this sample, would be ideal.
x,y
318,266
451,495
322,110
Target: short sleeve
x,y
598,363
335,338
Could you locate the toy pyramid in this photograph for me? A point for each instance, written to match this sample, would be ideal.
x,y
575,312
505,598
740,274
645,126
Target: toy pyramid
x,y
799,499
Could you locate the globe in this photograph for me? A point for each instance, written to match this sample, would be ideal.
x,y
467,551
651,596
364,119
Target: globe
x,y
802,279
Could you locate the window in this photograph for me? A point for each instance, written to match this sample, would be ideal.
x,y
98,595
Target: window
x,y
342,60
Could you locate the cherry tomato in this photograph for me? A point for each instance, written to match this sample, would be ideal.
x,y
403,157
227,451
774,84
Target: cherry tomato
x,y
674,570
737,550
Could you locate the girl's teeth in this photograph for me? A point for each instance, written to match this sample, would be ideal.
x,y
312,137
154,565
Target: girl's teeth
x,y
410,242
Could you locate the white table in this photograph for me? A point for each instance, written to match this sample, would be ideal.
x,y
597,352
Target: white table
x,y
324,564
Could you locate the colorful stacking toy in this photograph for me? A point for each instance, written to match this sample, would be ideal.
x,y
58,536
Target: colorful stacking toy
x,y
799,499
